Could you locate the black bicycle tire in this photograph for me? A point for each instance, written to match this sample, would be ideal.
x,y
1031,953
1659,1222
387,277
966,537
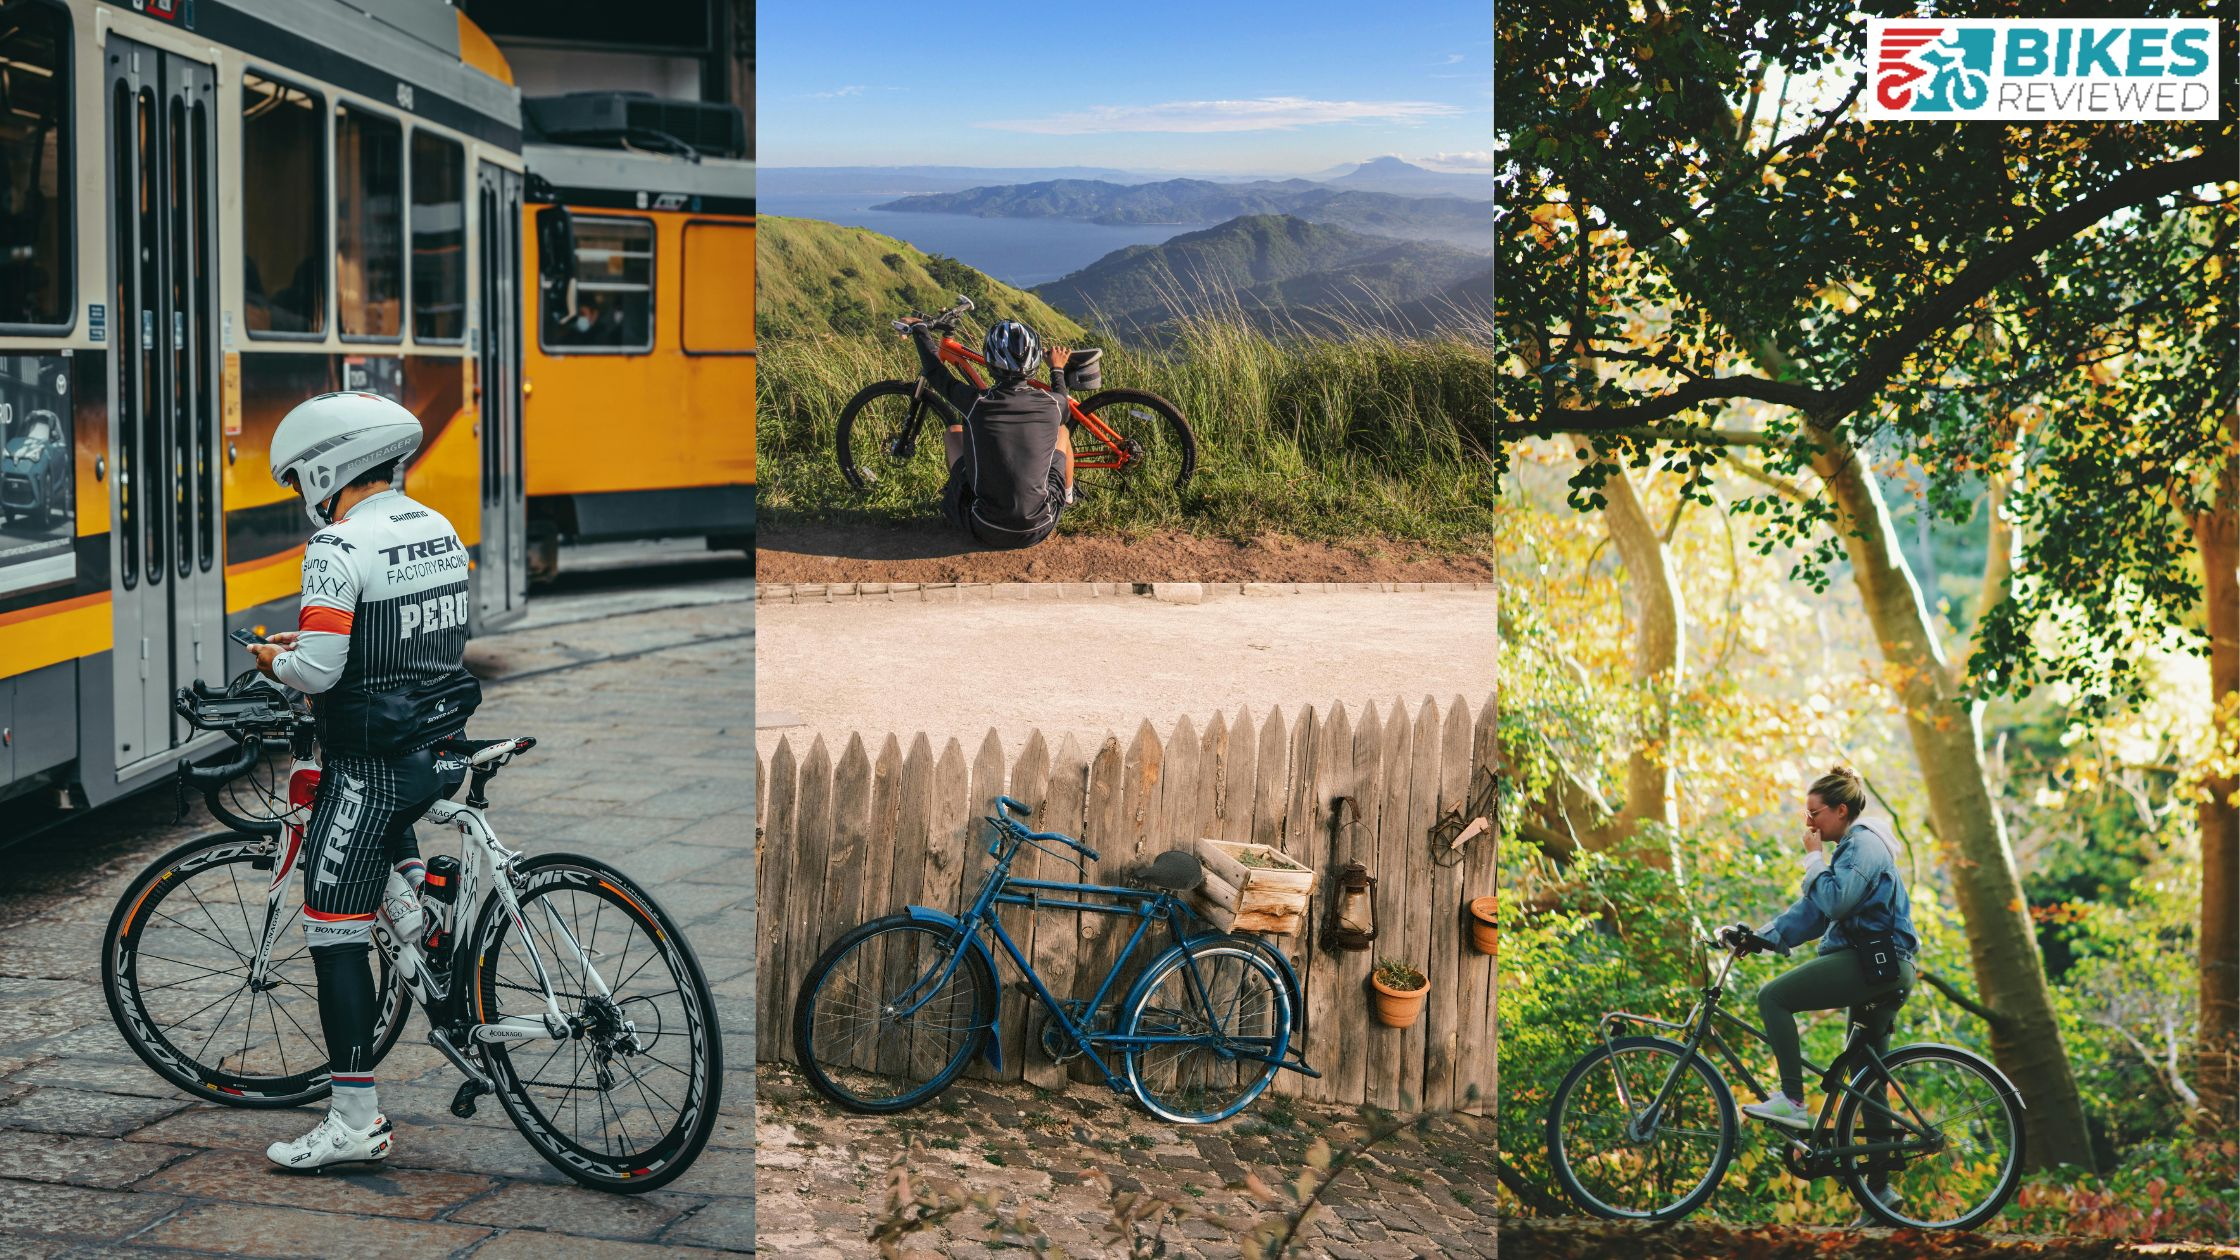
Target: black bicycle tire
x,y
1855,1180
119,948
1134,1015
844,431
491,922
1729,1129
986,1002
1178,425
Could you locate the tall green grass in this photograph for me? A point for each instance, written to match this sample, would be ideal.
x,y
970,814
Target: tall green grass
x,y
1333,436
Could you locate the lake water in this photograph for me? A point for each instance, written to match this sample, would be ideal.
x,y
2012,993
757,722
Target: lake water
x,y
1023,252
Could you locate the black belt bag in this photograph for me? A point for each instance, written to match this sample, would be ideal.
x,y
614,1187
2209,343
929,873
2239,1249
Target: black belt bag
x,y
1878,958
390,724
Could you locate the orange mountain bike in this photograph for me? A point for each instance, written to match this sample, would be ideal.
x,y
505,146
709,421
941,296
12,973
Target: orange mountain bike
x,y
1126,433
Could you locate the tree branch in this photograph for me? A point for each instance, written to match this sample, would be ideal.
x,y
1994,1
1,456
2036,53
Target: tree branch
x,y
1882,362
1780,485
1962,1000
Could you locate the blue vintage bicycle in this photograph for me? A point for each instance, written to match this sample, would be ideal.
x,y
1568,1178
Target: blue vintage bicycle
x,y
896,1008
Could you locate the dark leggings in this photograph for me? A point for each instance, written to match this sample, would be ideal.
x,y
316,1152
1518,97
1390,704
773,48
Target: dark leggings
x,y
361,826
1823,984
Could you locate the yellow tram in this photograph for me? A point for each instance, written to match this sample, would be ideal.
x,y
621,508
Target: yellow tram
x,y
210,210
638,376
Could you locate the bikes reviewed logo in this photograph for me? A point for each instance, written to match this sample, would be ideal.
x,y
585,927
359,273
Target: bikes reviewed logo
x,y
2086,69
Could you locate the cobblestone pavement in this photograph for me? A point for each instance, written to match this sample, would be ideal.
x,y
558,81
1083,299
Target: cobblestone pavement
x,y
824,1175
644,759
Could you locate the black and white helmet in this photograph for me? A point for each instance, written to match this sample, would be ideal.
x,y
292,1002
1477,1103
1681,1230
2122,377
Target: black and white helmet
x,y
327,441
1011,347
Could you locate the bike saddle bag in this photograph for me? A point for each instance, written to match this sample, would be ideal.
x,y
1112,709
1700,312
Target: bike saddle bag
x,y
1084,371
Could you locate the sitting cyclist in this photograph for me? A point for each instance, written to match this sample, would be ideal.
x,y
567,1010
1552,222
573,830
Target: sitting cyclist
x,y
1011,460
379,644
1857,900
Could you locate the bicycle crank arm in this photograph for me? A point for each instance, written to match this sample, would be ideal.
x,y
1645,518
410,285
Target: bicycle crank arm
x,y
442,1043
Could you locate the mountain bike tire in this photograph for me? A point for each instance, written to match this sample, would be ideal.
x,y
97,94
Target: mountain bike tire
x,y
1169,445
864,442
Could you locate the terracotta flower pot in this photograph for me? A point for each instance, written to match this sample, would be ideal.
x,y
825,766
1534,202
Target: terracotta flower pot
x,y
1397,1008
1483,934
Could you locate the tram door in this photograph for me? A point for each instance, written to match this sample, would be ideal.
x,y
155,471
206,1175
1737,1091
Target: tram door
x,y
168,567
504,561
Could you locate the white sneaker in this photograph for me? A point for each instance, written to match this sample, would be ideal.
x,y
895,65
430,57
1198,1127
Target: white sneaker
x,y
333,1142
400,905
1782,1110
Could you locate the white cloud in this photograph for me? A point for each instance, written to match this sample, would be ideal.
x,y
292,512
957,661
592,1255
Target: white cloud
x,y
1273,113
852,89
1449,60
1471,162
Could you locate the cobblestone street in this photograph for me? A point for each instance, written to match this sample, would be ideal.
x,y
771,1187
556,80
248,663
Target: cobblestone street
x,y
641,703
824,1178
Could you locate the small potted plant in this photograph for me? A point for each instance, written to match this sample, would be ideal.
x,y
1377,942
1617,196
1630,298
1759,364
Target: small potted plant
x,y
1400,988
1484,935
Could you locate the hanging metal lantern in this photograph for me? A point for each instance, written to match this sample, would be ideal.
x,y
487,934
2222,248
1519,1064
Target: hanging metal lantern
x,y
1353,912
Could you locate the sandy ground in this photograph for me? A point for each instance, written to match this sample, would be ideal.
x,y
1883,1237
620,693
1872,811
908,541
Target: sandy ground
x,y
1093,665
793,551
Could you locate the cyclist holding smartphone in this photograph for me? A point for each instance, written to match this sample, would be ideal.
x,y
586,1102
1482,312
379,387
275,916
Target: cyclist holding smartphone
x,y
379,642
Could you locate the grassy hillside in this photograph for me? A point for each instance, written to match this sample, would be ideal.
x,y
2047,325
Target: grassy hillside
x,y
1369,436
1283,273
816,277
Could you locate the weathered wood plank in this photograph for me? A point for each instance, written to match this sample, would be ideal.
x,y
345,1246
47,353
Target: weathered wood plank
x,y
1482,877
913,837
1057,938
774,885
1242,779
1271,763
1213,765
842,887
1390,865
1101,934
1030,785
813,832
1451,954
1413,835
1307,842
989,782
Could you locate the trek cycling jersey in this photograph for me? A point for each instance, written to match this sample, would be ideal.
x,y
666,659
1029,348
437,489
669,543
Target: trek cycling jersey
x,y
383,628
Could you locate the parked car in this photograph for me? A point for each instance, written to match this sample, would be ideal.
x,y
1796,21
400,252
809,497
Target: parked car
x,y
35,472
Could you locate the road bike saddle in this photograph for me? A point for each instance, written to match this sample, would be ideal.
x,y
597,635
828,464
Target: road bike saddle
x,y
1175,870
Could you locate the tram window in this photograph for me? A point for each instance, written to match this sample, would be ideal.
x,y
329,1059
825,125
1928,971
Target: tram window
x,y
35,185
439,238
718,288
613,308
38,475
369,223
283,208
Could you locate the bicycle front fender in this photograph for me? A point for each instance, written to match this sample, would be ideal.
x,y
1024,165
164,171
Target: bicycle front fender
x,y
992,1048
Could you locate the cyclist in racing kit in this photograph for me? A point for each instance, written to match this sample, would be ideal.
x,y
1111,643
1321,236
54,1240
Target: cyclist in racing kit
x,y
1011,460
378,644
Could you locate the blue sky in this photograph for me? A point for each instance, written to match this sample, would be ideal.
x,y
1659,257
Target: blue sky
x,y
1218,86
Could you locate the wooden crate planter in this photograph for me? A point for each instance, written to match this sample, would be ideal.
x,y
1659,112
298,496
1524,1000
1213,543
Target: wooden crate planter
x,y
1244,898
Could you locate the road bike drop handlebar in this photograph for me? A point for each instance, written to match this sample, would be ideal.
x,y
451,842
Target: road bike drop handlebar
x,y
249,712
1006,806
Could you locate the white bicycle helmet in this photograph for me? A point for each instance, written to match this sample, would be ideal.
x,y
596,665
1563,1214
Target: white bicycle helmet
x,y
327,441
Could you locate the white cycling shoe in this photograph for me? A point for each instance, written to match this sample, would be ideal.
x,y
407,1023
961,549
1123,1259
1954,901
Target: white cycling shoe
x,y
333,1142
1782,1110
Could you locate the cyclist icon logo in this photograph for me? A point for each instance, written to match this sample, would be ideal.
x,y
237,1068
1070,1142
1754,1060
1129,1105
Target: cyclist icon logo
x,y
1957,63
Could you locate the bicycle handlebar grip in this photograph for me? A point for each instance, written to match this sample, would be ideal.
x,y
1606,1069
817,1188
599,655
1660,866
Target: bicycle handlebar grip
x,y
1006,803
214,776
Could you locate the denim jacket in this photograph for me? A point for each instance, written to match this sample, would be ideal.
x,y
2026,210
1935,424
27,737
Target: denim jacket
x,y
1856,892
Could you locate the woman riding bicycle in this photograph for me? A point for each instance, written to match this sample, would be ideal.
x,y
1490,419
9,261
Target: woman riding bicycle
x,y
1854,898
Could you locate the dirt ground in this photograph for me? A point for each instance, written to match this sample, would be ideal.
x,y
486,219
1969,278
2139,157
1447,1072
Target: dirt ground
x,y
866,551
1581,1239
1093,665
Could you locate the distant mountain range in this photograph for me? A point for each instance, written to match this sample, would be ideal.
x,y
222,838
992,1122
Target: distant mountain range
x,y
1461,221
1393,175
1283,272
901,181
813,277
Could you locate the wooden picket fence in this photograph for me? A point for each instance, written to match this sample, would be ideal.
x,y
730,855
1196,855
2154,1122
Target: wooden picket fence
x,y
844,840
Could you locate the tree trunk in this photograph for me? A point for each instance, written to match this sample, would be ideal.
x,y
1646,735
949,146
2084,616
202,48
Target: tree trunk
x,y
1659,647
1948,744
2217,1044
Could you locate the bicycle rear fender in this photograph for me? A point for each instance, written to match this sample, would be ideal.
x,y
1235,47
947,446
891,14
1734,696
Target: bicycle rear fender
x,y
1276,958
992,1048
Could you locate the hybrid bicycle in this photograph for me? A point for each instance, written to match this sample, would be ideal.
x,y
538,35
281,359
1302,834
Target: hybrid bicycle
x,y
1644,1127
554,982
1125,433
896,1009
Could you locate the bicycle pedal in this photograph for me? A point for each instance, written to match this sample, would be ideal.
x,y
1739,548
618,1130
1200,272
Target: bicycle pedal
x,y
463,1102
